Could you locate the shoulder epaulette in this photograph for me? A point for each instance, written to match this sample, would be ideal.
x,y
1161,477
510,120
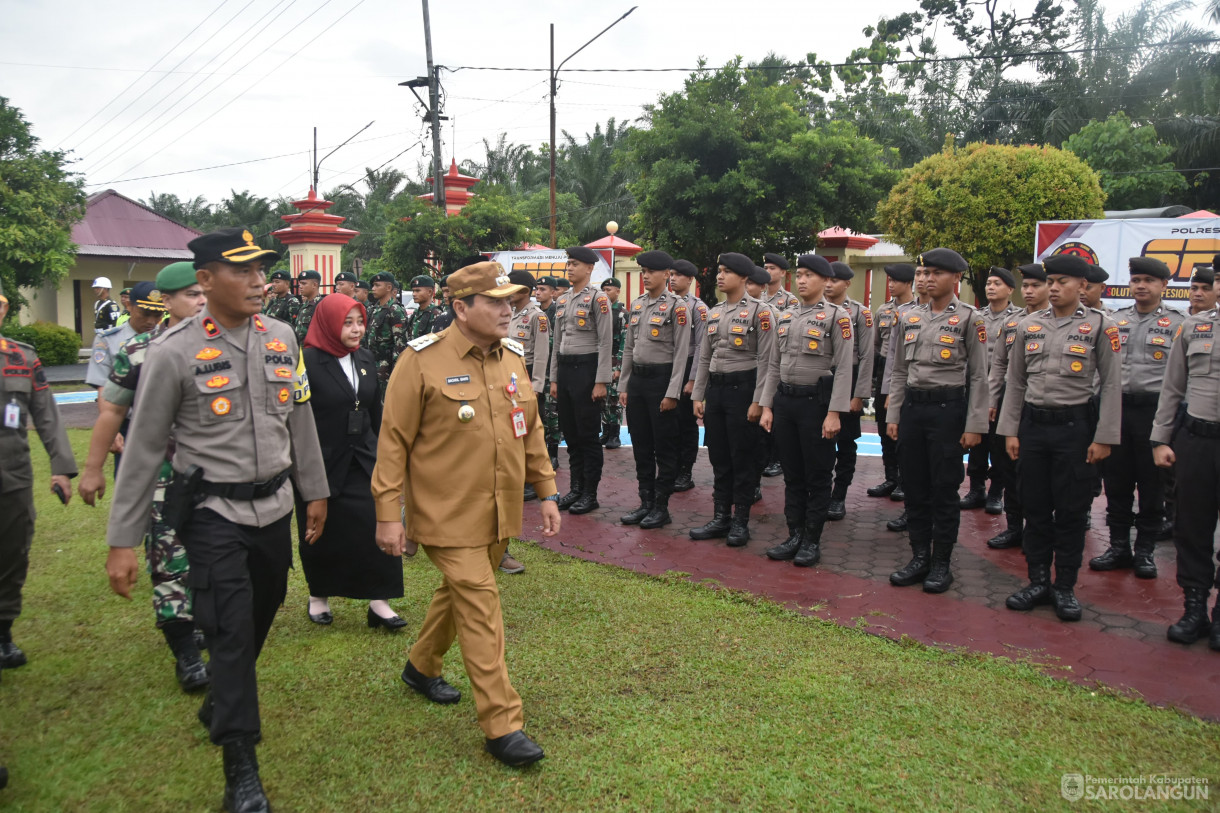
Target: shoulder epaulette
x,y
110,330
423,341
514,346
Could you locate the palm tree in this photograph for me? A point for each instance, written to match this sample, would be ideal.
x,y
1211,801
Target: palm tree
x,y
590,171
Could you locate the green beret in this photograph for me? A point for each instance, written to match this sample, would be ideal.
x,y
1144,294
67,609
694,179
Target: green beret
x,y
423,281
176,276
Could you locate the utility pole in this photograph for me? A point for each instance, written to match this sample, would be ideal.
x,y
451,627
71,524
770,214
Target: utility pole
x,y
554,88
438,184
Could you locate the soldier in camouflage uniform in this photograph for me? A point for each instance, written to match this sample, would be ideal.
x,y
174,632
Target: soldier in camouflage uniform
x,y
387,332
423,291
309,283
178,292
282,304
611,412
545,290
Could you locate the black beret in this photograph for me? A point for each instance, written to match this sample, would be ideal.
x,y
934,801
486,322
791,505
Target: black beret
x,y
471,260
1033,271
546,280
310,274
655,260
1207,276
345,276
739,264
901,272
281,274
775,259
522,278
563,282
1004,274
611,282
235,246
1069,265
842,270
944,258
384,276
686,268
1150,266
582,254
1096,274
817,264
364,284
423,281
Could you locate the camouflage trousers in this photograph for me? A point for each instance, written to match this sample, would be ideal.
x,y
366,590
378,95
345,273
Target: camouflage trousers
x,y
611,411
167,562
550,417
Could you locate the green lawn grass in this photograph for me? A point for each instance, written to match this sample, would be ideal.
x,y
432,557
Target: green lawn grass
x,y
648,694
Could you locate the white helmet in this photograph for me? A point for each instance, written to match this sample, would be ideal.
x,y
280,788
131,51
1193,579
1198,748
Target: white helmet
x,y
102,282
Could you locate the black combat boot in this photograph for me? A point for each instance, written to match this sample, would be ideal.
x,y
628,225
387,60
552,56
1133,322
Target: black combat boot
x,y
1063,596
243,789
915,570
646,503
898,494
1145,566
684,482
811,547
574,492
717,527
1037,592
552,450
612,439
528,494
897,525
773,469
189,668
1010,537
995,500
1194,623
587,502
786,550
1118,555
658,517
739,528
976,497
886,488
837,509
939,575
757,495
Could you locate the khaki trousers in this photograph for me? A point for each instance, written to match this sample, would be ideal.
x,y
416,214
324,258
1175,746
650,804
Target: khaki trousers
x,y
467,607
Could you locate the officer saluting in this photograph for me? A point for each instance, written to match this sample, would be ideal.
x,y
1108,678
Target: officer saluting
x,y
581,369
808,387
654,349
941,362
232,387
1052,431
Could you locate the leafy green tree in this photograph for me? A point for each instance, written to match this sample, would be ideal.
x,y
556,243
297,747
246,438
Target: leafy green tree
x,y
1133,162
39,201
196,212
985,200
421,238
590,171
536,207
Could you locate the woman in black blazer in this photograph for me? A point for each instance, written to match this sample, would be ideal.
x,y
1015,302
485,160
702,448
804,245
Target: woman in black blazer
x,y
345,560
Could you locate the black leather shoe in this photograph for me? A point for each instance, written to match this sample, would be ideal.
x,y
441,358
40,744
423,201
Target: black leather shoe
x,y
612,443
1144,565
11,656
243,789
716,528
636,516
1116,557
1194,623
810,553
325,618
658,517
515,750
774,470
1067,608
994,506
435,689
757,495
975,498
587,502
191,672
529,495
684,482
897,525
569,499
786,551
1010,538
739,530
898,495
1029,596
882,489
837,510
395,623
555,462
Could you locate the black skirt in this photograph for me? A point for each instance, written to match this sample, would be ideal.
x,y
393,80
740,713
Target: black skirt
x,y
346,561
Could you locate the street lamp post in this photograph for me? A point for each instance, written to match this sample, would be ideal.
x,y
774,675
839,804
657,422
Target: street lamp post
x,y
554,87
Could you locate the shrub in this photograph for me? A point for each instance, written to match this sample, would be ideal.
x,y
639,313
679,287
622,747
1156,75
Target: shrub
x,y
54,344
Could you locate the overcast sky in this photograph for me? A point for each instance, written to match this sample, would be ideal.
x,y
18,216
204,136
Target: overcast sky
x,y
239,80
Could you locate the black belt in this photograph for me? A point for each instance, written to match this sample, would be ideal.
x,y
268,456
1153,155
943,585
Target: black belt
x,y
651,370
741,377
819,390
576,361
245,491
935,395
1201,428
1141,399
1057,415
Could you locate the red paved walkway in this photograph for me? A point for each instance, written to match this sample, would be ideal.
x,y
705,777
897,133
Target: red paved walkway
x,y
1120,642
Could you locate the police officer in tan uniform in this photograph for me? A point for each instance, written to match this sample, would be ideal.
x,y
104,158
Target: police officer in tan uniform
x,y
938,409
728,390
780,299
655,343
1203,289
901,276
231,384
681,282
1146,332
808,389
862,382
581,370
462,401
1053,433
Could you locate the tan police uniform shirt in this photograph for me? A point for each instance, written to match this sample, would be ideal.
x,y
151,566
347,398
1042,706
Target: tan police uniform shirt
x,y
1192,374
1146,339
658,332
862,331
946,349
883,321
531,329
237,401
27,398
477,501
891,350
584,325
999,361
697,310
995,321
1052,364
811,342
739,337
780,301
